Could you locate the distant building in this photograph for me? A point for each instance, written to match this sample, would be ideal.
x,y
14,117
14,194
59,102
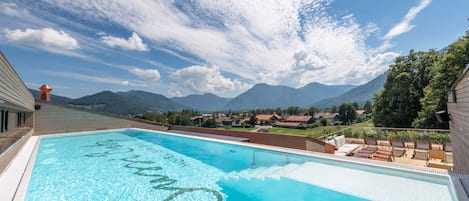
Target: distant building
x,y
332,118
295,121
263,119
361,113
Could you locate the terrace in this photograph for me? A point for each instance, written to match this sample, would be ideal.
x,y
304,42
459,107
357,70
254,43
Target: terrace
x,y
416,147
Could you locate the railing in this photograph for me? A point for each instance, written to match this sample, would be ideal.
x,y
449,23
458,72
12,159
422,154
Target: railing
x,y
438,136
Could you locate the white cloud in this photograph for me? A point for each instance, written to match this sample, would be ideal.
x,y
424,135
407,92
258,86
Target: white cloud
x,y
404,25
96,79
274,41
146,74
202,79
46,38
134,42
11,9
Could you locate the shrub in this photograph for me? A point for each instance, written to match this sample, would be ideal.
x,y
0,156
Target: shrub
x,y
323,122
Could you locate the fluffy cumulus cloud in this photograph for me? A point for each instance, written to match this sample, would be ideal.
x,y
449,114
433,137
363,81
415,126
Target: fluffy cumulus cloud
x,y
146,74
273,41
134,42
46,38
203,79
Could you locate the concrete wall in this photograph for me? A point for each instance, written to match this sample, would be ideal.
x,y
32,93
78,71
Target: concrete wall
x,y
53,118
289,141
459,124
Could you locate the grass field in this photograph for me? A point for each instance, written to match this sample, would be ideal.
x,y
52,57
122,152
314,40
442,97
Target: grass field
x,y
237,128
312,132
367,123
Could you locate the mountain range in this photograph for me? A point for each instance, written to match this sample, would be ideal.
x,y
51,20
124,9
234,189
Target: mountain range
x,y
358,94
260,96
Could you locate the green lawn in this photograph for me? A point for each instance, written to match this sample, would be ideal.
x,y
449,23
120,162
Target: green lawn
x,y
236,128
367,123
313,132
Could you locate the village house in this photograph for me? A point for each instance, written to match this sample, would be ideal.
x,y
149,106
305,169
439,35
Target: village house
x,y
332,118
296,121
263,119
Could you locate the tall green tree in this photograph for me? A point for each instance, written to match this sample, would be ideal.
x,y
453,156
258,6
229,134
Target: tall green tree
x,y
355,105
312,110
398,104
347,113
334,109
446,71
368,107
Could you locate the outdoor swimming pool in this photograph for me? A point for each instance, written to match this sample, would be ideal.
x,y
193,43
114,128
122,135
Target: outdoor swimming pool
x,y
134,164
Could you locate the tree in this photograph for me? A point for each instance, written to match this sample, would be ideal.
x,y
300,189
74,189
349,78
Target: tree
x,y
293,110
334,109
356,106
323,122
312,110
347,113
398,104
368,107
210,123
446,71
252,120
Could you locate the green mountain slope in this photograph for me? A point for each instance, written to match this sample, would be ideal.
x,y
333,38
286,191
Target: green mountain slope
x,y
358,94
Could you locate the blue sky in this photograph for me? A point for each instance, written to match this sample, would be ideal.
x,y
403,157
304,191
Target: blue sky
x,y
177,48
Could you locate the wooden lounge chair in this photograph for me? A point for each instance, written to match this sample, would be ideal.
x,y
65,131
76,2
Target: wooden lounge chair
x,y
398,148
383,154
366,152
421,150
448,147
370,141
437,159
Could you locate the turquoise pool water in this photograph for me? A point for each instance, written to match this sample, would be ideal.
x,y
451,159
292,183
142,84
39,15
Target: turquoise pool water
x,y
134,164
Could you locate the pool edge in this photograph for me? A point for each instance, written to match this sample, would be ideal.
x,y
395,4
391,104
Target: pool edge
x,y
423,171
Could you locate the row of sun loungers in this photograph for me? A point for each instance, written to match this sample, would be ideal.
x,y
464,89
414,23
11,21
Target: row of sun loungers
x,y
371,150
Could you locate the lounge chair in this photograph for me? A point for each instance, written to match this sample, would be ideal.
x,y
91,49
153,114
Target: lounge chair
x,y
437,159
370,141
366,152
383,154
343,149
421,150
398,148
448,147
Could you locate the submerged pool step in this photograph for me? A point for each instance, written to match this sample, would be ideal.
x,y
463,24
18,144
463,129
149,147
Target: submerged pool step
x,y
274,172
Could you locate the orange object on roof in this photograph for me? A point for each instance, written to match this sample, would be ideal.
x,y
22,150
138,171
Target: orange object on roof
x,y
45,92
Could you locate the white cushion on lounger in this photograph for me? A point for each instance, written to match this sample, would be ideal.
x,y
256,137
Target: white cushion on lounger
x,y
339,141
348,148
343,147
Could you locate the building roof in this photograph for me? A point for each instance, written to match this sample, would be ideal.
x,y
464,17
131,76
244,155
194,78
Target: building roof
x,y
295,118
245,120
360,112
325,115
266,117
288,124
197,117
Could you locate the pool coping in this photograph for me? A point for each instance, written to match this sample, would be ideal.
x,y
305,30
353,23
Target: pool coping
x,y
457,188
